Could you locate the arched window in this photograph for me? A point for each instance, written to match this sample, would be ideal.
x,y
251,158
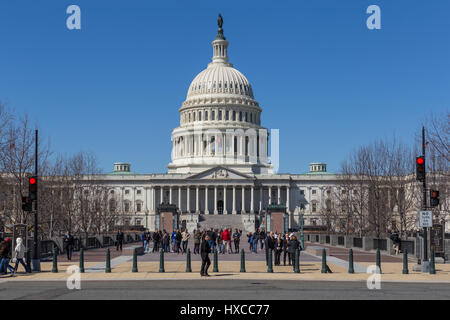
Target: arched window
x,y
240,115
194,116
199,116
213,115
234,115
206,115
246,119
226,115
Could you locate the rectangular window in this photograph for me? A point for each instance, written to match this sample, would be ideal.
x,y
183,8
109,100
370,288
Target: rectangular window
x,y
314,192
138,207
139,191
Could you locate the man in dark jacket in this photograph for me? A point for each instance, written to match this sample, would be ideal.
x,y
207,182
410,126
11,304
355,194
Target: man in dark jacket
x,y
204,253
293,245
278,249
119,240
270,245
68,242
155,241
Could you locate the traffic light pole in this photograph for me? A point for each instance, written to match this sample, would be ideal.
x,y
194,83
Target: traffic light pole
x,y
36,262
424,205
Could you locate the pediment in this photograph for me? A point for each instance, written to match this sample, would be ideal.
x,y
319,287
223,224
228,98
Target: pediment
x,y
219,173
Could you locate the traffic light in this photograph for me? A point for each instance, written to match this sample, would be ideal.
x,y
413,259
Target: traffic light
x,y
434,198
27,204
420,168
32,188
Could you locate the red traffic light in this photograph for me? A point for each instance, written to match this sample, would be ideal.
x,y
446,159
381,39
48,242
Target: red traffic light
x,y
420,160
32,181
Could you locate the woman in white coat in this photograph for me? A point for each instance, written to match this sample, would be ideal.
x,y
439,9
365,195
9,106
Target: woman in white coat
x,y
19,253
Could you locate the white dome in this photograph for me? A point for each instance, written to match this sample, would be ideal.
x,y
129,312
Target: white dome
x,y
220,78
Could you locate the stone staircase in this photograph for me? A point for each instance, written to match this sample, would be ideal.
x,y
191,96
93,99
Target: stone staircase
x,y
220,221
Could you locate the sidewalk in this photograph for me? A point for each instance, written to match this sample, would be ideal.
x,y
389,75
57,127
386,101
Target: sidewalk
x,y
256,270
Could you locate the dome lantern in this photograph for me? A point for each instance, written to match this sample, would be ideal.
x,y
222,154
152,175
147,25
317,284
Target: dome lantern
x,y
220,45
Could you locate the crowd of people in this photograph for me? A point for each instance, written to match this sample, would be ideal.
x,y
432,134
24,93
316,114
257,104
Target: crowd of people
x,y
223,240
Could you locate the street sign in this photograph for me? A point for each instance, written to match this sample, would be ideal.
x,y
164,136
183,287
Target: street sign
x,y
425,219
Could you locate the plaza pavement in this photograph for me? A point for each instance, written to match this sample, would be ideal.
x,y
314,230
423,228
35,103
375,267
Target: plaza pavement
x,y
229,268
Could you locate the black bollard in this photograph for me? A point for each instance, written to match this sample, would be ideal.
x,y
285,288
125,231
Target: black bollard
x,y
351,268
324,261
297,261
242,260
28,261
55,261
108,261
135,267
405,262
378,261
188,261
81,260
216,263
432,266
269,261
161,260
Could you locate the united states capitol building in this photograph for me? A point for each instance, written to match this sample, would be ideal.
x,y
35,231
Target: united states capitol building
x,y
220,172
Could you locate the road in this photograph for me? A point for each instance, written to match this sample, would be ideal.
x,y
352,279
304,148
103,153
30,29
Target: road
x,y
221,290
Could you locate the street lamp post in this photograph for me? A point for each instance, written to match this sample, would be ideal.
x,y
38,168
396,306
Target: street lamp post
x,y
302,238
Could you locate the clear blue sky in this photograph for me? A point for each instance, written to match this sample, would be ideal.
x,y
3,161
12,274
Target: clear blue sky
x,y
326,81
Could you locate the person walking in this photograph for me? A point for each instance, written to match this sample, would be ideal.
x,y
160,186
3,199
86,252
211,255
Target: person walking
x,y
174,233
204,253
396,242
255,241
197,238
68,245
293,245
166,242
250,241
220,242
185,238
178,238
5,249
262,237
285,249
236,240
270,244
119,240
147,241
19,253
155,239
278,249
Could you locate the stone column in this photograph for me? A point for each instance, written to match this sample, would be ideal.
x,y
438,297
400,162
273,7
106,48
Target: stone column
x,y
153,200
147,199
161,199
279,195
179,198
170,194
234,200
270,195
260,198
287,198
225,200
206,200
134,200
197,209
243,200
251,200
188,200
